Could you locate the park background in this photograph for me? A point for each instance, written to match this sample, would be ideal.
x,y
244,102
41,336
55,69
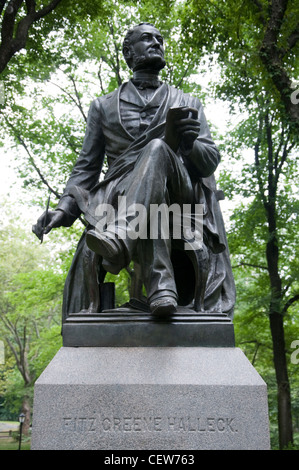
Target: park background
x,y
241,59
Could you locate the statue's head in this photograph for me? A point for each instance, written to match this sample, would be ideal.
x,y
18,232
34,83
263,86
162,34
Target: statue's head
x,y
143,48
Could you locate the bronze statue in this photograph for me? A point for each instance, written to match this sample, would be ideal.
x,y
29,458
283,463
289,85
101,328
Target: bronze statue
x,y
159,151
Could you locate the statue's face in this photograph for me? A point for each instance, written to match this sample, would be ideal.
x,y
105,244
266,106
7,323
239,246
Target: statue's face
x,y
146,49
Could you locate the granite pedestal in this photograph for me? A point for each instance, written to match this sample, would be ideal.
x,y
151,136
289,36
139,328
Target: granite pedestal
x,y
150,398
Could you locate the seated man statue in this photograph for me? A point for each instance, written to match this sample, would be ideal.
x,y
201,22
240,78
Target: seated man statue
x,y
159,151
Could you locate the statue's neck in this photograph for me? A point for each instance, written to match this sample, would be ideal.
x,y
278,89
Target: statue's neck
x,y
145,75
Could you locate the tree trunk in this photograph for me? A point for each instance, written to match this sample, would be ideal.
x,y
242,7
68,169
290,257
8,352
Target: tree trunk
x,y
283,388
26,409
275,309
277,328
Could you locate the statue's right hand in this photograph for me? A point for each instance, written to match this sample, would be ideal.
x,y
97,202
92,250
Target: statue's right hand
x,y
47,221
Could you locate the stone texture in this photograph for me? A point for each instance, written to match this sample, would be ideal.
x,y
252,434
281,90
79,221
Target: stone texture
x,y
150,398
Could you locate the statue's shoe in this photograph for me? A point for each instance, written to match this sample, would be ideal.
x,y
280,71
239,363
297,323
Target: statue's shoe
x,y
109,248
163,307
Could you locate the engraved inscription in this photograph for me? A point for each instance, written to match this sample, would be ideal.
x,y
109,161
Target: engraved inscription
x,y
79,424
135,423
151,424
202,424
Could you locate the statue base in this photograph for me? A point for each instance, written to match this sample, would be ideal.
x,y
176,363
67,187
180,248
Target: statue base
x,y
150,398
122,327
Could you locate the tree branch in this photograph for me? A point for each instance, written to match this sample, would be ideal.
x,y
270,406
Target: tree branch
x,y
281,142
116,48
272,187
78,104
70,144
100,78
30,5
289,303
259,6
8,324
31,159
257,160
271,56
9,44
251,265
15,353
257,345
184,75
46,10
285,153
292,40
2,5
9,18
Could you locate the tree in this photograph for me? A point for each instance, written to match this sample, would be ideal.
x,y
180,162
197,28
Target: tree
x,y
263,236
30,303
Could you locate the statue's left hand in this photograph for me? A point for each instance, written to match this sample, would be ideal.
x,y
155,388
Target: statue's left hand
x,y
182,127
190,128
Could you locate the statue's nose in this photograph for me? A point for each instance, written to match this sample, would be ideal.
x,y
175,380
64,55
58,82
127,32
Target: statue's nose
x,y
155,42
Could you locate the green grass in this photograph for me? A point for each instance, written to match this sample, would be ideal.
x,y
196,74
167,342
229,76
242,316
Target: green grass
x,y
12,444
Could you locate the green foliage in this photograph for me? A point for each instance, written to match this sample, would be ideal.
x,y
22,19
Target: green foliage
x,y
43,351
122,282
31,286
237,33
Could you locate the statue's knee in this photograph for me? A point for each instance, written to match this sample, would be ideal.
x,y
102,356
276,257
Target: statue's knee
x,y
156,145
155,149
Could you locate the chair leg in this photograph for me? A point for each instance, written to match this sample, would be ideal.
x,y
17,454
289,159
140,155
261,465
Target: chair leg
x,y
200,261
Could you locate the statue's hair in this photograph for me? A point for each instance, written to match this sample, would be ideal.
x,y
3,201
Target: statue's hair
x,y
127,39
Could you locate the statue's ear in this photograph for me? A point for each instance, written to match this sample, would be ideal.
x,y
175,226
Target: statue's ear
x,y
127,52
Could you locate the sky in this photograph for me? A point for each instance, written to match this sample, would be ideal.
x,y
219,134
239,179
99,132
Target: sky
x,y
12,193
